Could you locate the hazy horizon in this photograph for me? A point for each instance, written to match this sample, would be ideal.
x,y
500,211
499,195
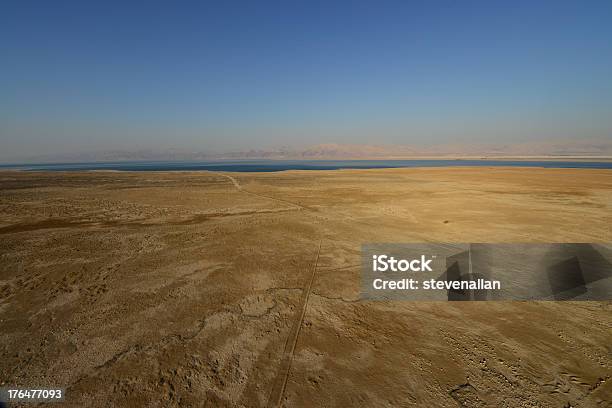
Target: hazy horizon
x,y
209,78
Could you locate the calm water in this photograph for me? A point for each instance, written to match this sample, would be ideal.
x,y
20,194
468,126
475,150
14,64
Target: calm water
x,y
280,165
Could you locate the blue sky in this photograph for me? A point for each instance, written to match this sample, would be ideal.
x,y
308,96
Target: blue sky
x,y
78,76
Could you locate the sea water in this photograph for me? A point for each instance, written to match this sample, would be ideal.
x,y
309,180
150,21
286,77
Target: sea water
x,y
281,165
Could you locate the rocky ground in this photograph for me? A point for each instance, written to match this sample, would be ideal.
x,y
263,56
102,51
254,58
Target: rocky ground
x,y
236,289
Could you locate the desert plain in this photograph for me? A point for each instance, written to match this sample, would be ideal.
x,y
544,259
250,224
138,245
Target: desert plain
x,y
168,289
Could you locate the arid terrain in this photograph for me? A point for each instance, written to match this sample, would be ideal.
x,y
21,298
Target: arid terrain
x,y
242,289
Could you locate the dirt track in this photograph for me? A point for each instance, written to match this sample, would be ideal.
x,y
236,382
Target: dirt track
x,y
167,289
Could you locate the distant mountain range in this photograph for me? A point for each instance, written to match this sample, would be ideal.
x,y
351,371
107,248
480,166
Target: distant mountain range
x,y
332,151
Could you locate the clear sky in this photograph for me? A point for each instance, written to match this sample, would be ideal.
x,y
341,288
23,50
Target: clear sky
x,y
79,76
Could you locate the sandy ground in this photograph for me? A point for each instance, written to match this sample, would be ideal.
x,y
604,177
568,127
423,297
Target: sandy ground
x,y
205,289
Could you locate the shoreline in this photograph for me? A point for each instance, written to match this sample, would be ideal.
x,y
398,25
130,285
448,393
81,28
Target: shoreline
x,y
274,166
580,158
